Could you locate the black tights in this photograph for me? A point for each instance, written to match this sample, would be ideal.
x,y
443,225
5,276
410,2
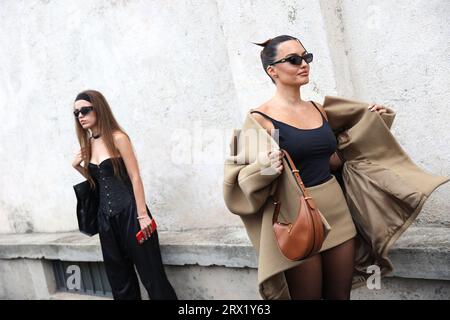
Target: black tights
x,y
326,275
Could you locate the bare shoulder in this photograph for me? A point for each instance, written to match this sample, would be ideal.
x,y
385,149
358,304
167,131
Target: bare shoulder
x,y
321,108
263,121
120,137
122,143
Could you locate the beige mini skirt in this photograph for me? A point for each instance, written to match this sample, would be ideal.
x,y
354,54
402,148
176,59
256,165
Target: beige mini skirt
x,y
330,200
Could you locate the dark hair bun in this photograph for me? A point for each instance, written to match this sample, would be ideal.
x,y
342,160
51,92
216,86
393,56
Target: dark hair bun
x,y
263,44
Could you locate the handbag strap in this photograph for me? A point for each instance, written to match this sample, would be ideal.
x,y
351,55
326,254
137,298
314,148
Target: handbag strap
x,y
309,200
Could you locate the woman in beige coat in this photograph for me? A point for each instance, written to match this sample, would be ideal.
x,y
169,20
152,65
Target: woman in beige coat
x,y
302,128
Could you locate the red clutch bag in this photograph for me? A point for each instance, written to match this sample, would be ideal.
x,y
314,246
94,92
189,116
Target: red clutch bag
x,y
140,235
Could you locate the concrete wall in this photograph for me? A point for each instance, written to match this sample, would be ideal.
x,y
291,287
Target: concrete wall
x,y
33,281
180,74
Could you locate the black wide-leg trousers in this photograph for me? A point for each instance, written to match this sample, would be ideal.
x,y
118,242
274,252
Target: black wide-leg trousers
x,y
121,252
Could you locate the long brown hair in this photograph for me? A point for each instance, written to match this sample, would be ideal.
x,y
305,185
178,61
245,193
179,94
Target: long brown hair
x,y
106,124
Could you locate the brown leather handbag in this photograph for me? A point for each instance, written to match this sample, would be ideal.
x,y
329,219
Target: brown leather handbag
x,y
303,237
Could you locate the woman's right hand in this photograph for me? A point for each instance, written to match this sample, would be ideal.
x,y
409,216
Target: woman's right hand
x,y
276,157
78,159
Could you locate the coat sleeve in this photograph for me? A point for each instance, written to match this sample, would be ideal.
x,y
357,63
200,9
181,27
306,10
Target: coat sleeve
x,y
341,110
247,184
388,117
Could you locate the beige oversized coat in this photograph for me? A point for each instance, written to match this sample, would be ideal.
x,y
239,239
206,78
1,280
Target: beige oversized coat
x,y
384,189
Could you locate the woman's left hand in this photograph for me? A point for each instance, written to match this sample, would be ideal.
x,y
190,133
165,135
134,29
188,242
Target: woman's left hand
x,y
378,108
145,224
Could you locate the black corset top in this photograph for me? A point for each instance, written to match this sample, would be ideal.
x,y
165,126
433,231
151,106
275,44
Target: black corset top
x,y
115,193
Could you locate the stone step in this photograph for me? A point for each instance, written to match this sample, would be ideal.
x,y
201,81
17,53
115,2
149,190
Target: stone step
x,y
202,262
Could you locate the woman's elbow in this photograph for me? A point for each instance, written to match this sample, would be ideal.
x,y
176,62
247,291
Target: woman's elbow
x,y
136,180
335,162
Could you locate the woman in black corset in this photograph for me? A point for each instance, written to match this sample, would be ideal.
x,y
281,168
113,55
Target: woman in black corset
x,y
303,131
111,166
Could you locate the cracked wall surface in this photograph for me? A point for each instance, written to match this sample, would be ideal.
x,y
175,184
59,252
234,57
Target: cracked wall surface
x,y
180,75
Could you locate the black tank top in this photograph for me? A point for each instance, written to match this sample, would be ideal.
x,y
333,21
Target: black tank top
x,y
310,149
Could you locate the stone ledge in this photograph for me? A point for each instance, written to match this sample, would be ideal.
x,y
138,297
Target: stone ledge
x,y
75,296
421,252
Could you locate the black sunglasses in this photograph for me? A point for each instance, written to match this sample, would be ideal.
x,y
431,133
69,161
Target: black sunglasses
x,y
83,110
296,59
